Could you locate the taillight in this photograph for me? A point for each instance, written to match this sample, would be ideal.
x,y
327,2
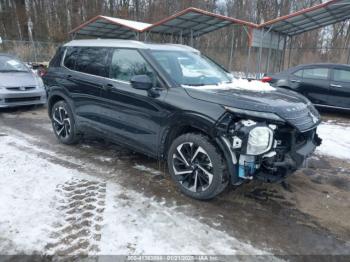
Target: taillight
x,y
266,79
42,72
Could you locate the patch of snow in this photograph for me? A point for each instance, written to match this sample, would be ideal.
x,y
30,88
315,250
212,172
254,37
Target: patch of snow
x,y
104,159
40,199
147,169
335,140
239,84
27,187
129,23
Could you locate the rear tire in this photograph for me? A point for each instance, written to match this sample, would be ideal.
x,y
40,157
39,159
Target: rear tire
x,y
63,123
197,167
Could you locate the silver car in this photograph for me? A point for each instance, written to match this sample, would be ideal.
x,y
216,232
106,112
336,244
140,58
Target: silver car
x,y
18,84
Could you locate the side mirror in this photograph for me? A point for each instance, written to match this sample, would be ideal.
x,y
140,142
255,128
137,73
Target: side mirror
x,y
142,82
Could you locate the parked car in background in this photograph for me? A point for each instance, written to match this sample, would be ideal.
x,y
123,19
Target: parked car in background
x,y
19,85
170,102
325,85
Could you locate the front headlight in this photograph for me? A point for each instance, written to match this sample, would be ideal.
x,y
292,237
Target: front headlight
x,y
262,115
259,140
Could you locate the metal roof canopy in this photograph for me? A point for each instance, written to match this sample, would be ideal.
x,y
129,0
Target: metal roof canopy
x,y
189,22
110,27
312,18
194,22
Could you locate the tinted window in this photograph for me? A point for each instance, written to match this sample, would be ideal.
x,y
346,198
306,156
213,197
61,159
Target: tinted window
x,y
56,60
341,75
316,73
298,73
71,57
92,60
127,63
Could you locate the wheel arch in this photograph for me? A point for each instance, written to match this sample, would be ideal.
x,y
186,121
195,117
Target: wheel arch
x,y
183,124
54,97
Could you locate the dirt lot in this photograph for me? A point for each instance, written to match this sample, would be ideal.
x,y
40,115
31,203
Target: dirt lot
x,y
99,198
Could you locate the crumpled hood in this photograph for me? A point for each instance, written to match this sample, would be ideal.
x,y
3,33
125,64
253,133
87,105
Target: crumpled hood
x,y
291,106
12,79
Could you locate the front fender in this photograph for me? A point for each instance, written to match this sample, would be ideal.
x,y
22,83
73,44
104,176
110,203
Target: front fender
x,y
182,121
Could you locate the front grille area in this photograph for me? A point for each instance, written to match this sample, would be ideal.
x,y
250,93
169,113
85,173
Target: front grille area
x,y
20,88
304,119
21,99
288,138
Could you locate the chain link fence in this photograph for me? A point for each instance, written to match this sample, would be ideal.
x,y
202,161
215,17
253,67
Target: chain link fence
x,y
41,52
30,52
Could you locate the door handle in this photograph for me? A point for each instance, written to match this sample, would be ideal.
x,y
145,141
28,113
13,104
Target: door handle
x,y
295,81
107,87
333,85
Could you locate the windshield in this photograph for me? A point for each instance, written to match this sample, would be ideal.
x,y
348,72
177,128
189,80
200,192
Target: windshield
x,y
9,64
191,69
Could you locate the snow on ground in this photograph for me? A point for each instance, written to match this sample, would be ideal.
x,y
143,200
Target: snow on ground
x,y
51,209
335,139
147,169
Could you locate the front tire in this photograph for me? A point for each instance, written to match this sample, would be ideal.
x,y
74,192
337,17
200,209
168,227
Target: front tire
x,y
197,167
63,123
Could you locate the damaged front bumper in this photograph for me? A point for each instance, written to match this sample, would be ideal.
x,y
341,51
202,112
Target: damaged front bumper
x,y
287,149
277,168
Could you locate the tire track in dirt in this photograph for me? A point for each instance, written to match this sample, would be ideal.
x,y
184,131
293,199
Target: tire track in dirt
x,y
82,204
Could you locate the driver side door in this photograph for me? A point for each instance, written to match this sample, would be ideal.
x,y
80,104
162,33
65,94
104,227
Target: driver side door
x,y
132,116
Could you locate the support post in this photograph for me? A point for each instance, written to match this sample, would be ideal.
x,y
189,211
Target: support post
x,y
290,49
260,52
269,56
191,40
283,53
249,50
248,62
231,52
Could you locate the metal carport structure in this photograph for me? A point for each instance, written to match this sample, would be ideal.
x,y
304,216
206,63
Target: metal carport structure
x,y
305,20
183,27
191,23
109,27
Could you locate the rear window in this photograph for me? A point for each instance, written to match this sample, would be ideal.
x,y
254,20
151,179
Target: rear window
x,y
316,73
71,57
341,75
93,60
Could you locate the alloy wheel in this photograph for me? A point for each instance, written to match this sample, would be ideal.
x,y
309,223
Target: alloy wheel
x,y
61,122
192,167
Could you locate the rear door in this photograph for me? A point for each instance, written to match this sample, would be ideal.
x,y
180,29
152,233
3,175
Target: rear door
x,y
339,95
315,84
85,77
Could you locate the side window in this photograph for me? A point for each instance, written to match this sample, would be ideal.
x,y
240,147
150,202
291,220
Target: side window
x,y
299,73
93,60
341,75
127,63
56,60
71,57
316,73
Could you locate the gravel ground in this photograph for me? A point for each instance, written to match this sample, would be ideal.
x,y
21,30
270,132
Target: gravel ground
x,y
100,198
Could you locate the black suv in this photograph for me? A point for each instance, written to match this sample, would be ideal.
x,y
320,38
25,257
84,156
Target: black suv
x,y
170,102
326,85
